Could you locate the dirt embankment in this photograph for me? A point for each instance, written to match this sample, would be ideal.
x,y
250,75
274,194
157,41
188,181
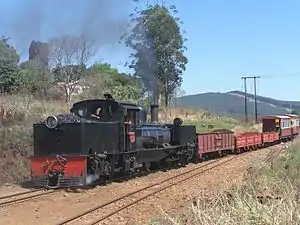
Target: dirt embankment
x,y
14,159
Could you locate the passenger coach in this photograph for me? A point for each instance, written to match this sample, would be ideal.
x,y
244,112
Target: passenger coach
x,y
295,123
282,124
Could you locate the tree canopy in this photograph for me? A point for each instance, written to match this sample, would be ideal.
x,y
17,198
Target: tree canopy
x,y
9,59
32,77
158,45
124,86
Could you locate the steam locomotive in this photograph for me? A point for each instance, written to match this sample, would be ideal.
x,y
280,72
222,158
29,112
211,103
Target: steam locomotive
x,y
102,137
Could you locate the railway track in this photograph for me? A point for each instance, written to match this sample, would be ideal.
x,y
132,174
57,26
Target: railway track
x,y
134,197
24,196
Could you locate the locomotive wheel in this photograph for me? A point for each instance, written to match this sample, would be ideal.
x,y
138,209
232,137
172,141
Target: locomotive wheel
x,y
147,166
154,166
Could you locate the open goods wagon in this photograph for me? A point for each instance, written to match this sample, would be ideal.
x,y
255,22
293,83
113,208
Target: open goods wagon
x,y
270,138
247,141
217,141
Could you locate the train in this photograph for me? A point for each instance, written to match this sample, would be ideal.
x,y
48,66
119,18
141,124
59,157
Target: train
x,y
100,138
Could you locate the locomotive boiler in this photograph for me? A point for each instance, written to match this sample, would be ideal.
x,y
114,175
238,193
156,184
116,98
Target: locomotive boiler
x,y
153,134
102,137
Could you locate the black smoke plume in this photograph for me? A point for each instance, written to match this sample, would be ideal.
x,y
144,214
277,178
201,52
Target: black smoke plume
x,y
101,20
39,52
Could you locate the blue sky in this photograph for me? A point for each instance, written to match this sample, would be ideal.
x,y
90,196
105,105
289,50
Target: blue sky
x,y
227,39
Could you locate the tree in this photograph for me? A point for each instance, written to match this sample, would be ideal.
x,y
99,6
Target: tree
x,y
68,58
9,59
178,93
33,78
158,46
121,85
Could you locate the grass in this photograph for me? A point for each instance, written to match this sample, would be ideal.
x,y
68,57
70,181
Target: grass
x,y
270,196
18,113
206,121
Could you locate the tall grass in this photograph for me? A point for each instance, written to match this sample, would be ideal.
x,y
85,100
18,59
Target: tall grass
x,y
206,121
270,196
17,114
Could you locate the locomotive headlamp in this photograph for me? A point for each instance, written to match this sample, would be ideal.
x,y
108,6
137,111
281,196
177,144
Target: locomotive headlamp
x,y
51,122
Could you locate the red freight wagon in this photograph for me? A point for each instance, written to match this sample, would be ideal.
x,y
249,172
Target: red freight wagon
x,y
295,123
248,140
270,137
280,124
215,142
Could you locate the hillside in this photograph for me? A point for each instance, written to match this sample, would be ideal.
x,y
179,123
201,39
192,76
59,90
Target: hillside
x,y
279,103
232,104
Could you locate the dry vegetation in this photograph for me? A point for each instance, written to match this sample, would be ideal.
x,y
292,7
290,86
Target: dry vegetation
x,y
269,196
207,121
18,113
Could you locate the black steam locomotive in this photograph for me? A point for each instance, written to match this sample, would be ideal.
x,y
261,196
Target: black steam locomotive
x,y
102,137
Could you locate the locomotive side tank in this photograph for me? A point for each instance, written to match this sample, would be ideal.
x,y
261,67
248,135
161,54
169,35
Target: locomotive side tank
x,y
152,136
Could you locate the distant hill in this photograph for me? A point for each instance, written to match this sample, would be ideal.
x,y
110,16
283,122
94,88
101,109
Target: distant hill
x,y
232,104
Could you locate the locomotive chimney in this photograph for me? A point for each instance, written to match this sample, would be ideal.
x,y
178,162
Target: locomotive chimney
x,y
154,106
154,113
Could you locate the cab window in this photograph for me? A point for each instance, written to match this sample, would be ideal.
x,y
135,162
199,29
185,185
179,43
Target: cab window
x,y
130,116
103,111
285,124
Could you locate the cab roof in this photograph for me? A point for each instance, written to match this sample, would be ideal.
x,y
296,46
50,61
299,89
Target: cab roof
x,y
125,105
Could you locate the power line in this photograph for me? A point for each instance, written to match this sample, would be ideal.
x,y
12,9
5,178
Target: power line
x,y
281,76
255,99
255,81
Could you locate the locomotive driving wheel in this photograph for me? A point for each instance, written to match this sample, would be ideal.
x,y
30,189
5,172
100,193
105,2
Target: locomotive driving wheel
x,y
147,166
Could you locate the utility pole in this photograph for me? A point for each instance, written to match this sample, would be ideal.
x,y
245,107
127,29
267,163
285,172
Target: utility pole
x,y
255,100
245,104
255,97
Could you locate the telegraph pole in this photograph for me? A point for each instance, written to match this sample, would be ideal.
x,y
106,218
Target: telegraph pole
x,y
255,100
245,104
255,97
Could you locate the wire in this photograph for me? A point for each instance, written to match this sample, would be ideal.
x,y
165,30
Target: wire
x,y
279,76
251,89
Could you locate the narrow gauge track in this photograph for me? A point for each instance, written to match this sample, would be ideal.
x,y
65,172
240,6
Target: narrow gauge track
x,y
275,152
158,187
24,196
